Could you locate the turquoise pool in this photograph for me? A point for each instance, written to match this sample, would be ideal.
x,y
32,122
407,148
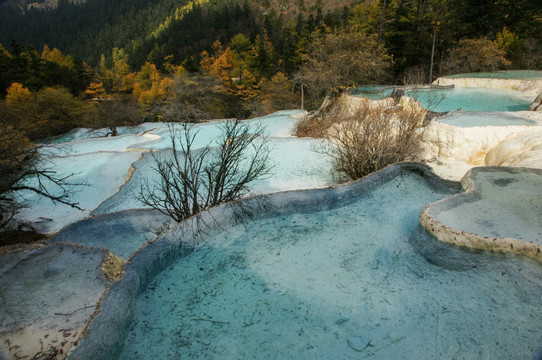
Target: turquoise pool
x,y
337,284
471,99
343,273
453,99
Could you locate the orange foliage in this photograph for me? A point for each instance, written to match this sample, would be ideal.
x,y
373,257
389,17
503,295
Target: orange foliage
x,y
17,94
95,90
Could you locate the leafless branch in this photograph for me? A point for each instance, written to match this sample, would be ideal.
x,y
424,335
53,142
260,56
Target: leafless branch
x,y
192,180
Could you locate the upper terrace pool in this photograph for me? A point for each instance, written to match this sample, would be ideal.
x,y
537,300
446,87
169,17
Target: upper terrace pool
x,y
452,99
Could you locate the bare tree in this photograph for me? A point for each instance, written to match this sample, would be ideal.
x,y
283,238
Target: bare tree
x,y
372,138
22,168
192,180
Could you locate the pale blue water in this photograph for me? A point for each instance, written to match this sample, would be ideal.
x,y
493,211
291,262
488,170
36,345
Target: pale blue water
x,y
308,286
373,92
466,99
471,99
490,118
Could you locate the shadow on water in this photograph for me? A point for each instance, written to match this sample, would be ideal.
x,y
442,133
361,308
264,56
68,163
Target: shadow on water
x,y
516,108
458,258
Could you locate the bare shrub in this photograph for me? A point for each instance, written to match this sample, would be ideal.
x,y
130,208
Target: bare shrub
x,y
316,127
372,138
193,180
415,75
530,56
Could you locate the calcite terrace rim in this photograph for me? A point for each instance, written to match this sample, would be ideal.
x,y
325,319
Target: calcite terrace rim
x,y
472,240
105,333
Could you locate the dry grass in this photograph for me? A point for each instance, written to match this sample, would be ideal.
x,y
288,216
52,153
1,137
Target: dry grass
x,y
316,127
113,267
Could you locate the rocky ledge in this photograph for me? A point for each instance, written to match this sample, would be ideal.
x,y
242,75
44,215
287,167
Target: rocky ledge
x,y
501,211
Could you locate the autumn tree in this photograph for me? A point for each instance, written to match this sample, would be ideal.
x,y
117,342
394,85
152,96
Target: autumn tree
x,y
123,80
96,91
234,66
365,17
276,94
475,55
105,75
47,112
509,42
342,60
57,57
195,98
59,111
21,106
151,89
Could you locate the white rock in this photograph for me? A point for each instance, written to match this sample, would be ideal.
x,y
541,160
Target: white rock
x,y
359,343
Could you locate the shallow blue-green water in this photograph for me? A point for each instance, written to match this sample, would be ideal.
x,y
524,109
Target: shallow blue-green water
x,y
373,92
453,99
353,282
476,118
471,99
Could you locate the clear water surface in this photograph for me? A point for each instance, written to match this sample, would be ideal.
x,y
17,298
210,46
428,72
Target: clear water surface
x,y
360,281
453,99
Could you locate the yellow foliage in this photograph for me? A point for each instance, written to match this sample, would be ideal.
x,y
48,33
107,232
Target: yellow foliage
x,y
217,47
56,56
4,52
126,83
147,75
206,61
95,90
507,41
17,94
222,67
277,93
159,90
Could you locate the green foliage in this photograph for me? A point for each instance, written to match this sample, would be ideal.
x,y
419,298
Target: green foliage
x,y
47,112
508,41
35,72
